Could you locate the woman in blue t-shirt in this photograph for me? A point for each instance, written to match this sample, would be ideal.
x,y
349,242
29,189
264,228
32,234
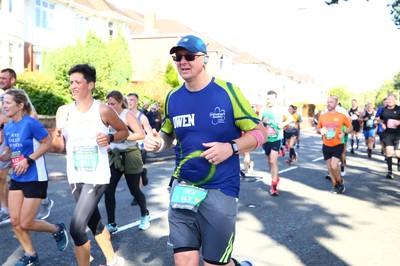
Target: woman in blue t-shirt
x,y
26,141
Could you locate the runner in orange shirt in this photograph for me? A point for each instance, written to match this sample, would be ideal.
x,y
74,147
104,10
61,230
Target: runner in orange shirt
x,y
331,127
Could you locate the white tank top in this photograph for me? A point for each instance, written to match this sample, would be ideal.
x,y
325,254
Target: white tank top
x,y
87,162
125,144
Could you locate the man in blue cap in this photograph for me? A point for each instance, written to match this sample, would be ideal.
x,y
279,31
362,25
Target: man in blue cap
x,y
206,116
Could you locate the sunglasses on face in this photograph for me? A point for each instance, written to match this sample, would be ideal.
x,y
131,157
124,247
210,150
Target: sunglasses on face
x,y
188,57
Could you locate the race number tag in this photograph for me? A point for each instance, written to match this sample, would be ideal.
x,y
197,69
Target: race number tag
x,y
187,197
86,158
369,123
16,157
271,132
330,134
391,123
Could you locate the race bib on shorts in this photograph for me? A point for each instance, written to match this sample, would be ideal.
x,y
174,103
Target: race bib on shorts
x,y
16,157
86,158
187,197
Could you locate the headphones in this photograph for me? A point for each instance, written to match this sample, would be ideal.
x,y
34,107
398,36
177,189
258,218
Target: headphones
x,y
205,59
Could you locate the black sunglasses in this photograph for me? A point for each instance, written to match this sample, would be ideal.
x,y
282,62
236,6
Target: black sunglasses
x,y
188,57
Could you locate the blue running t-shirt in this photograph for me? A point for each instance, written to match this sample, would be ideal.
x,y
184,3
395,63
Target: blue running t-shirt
x,y
219,112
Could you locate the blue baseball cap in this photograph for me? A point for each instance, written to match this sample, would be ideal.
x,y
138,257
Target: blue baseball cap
x,y
191,43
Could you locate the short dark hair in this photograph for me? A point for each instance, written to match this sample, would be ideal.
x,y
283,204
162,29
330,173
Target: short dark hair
x,y
10,71
88,72
133,94
272,93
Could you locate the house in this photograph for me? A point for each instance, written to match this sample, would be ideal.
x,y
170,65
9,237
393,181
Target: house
x,y
34,26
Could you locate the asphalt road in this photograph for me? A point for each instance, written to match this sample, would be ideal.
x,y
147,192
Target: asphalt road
x,y
305,225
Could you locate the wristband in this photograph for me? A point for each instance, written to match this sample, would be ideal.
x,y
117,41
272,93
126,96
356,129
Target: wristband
x,y
29,160
111,138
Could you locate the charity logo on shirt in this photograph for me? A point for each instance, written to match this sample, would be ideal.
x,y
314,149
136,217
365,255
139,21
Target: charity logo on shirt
x,y
218,116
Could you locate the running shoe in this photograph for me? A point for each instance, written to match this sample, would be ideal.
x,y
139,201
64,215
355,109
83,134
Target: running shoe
x,y
274,188
369,153
4,217
342,171
247,263
352,151
328,177
28,260
242,173
144,222
119,262
145,180
287,147
294,159
61,236
112,228
281,152
340,186
289,161
251,167
390,175
44,210
335,189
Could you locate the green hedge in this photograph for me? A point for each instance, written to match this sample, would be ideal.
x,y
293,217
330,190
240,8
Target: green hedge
x,y
44,93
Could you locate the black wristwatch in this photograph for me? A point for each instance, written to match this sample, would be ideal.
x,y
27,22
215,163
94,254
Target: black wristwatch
x,y
29,160
111,138
234,147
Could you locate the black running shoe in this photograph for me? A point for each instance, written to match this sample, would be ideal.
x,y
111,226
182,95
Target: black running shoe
x,y
352,151
340,186
390,175
369,153
328,177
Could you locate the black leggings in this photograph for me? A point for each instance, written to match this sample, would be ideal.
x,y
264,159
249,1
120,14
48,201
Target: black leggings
x,y
132,181
86,213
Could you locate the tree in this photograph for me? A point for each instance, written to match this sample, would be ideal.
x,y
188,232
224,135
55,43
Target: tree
x,y
394,11
343,95
383,92
171,76
111,59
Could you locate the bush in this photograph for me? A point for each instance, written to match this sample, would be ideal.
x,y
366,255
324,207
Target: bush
x,y
44,93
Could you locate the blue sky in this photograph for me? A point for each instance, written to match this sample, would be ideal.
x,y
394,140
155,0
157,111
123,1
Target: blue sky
x,y
353,44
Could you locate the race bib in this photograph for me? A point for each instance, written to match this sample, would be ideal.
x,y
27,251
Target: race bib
x,y
330,134
187,197
354,117
391,123
86,158
271,132
16,157
369,123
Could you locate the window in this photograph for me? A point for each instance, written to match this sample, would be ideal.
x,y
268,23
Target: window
x,y
80,26
110,28
44,14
